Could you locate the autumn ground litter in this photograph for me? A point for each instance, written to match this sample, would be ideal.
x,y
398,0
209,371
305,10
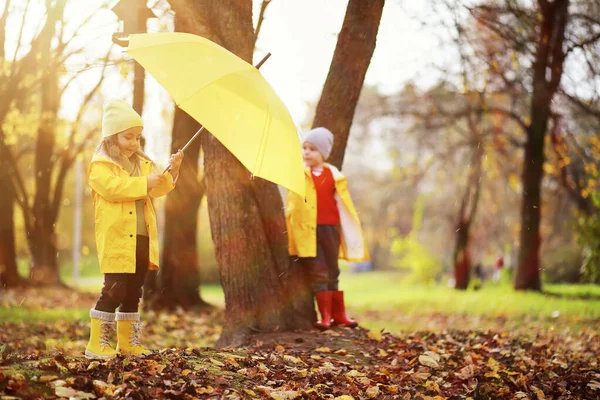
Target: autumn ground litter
x,y
450,355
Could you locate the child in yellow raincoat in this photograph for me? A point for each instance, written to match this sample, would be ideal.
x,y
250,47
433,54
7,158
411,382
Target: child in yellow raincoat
x,y
323,227
122,180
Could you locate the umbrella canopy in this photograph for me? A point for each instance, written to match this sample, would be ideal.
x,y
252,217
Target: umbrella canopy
x,y
230,98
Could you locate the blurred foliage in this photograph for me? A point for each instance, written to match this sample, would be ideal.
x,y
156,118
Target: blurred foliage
x,y
562,264
410,254
589,238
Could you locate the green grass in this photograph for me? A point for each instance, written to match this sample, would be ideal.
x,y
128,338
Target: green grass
x,y
384,300
386,291
88,268
17,315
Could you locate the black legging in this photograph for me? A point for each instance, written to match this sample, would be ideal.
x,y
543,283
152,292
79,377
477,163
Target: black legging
x,y
323,270
125,290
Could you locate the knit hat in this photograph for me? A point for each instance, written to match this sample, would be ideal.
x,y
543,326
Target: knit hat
x,y
118,116
322,139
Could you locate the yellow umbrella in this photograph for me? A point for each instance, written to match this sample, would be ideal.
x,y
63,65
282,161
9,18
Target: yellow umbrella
x,y
230,98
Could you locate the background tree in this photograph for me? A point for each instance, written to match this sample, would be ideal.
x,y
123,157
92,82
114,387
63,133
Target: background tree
x,y
351,59
24,111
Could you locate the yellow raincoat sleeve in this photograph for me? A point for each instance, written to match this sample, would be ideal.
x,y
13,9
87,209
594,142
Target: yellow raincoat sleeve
x,y
292,248
165,187
114,188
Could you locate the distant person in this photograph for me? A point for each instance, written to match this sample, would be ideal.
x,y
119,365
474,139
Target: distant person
x,y
122,183
498,266
479,276
323,227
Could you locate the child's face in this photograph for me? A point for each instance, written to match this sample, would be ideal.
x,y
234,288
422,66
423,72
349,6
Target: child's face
x,y
129,141
311,156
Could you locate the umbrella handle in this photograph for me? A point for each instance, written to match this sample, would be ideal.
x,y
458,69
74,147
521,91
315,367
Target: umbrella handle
x,y
257,66
188,144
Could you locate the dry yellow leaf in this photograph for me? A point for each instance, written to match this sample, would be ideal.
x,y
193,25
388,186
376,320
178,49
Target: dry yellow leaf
x,y
375,335
373,392
323,350
280,349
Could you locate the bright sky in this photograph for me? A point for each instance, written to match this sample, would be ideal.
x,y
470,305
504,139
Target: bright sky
x,y
301,35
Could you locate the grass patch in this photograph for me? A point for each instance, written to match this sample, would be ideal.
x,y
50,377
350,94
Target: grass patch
x,y
386,291
18,315
383,300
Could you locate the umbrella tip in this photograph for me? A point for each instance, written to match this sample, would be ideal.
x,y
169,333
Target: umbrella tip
x,y
121,39
265,58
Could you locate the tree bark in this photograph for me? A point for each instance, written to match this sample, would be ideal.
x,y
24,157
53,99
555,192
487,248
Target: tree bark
x,y
9,275
467,213
547,72
462,257
246,215
351,59
178,280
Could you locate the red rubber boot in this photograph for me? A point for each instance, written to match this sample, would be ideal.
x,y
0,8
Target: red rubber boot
x,y
324,304
339,311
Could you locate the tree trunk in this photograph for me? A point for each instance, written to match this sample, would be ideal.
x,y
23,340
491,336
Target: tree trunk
x,y
252,269
178,281
246,215
547,72
9,275
351,59
42,239
462,257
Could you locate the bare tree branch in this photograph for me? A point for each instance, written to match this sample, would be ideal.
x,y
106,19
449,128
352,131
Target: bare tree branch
x,y
261,17
69,153
3,27
584,43
581,104
18,47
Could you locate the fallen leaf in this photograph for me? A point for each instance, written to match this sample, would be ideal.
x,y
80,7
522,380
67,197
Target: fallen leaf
x,y
428,361
280,349
323,350
72,394
233,362
48,378
373,392
217,362
285,395
293,359
466,372
375,335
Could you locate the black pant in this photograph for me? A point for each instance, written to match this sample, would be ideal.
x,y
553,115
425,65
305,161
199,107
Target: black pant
x,y
125,290
323,270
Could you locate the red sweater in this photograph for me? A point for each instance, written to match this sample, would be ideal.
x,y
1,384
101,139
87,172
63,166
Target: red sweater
x,y
327,210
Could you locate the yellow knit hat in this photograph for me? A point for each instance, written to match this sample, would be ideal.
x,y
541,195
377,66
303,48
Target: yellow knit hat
x,y
118,116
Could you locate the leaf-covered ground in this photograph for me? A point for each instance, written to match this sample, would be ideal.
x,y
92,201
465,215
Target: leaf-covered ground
x,y
44,359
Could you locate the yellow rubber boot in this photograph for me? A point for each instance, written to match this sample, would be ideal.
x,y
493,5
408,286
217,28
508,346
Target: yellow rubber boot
x,y
102,325
129,331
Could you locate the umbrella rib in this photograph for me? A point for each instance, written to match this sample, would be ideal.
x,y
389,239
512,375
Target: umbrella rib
x,y
260,154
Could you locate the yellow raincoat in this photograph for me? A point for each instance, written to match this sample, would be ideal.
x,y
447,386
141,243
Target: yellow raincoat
x,y
114,193
301,219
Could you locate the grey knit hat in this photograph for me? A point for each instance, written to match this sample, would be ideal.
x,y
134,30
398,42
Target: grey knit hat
x,y
322,139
